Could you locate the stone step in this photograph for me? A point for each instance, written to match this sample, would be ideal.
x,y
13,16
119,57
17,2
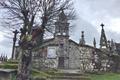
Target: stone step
x,y
69,74
69,78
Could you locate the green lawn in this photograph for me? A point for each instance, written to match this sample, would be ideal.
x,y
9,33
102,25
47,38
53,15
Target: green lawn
x,y
45,74
105,76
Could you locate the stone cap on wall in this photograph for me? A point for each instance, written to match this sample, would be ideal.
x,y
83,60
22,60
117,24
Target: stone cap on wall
x,y
8,70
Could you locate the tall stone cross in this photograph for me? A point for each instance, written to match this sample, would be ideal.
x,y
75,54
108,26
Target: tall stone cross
x,y
14,41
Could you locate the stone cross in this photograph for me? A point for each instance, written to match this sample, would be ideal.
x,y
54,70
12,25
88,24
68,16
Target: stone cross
x,y
14,41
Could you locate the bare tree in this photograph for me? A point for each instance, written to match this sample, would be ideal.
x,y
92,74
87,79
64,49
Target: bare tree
x,y
23,11
29,13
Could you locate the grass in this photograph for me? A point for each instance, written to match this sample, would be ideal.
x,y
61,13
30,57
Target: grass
x,y
40,74
8,66
52,72
14,65
43,75
105,76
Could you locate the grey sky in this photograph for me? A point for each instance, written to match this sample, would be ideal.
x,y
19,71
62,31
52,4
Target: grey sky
x,y
90,14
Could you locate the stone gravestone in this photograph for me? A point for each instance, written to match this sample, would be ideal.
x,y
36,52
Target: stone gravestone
x,y
7,74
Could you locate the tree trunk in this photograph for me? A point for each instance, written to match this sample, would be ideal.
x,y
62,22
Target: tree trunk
x,y
24,68
39,39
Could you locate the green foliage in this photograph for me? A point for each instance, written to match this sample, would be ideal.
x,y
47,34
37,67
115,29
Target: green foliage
x,y
51,71
13,77
10,64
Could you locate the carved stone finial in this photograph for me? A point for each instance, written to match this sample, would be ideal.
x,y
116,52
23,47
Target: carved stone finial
x,y
94,43
82,40
103,39
102,25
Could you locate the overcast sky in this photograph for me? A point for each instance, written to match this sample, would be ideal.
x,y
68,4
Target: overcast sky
x,y
90,14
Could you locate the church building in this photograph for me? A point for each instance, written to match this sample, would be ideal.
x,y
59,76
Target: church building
x,y
62,52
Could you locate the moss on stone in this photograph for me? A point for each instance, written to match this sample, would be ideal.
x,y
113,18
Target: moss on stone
x,y
8,66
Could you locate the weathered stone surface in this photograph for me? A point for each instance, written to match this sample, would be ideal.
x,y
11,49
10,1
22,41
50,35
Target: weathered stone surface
x,y
69,75
7,74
